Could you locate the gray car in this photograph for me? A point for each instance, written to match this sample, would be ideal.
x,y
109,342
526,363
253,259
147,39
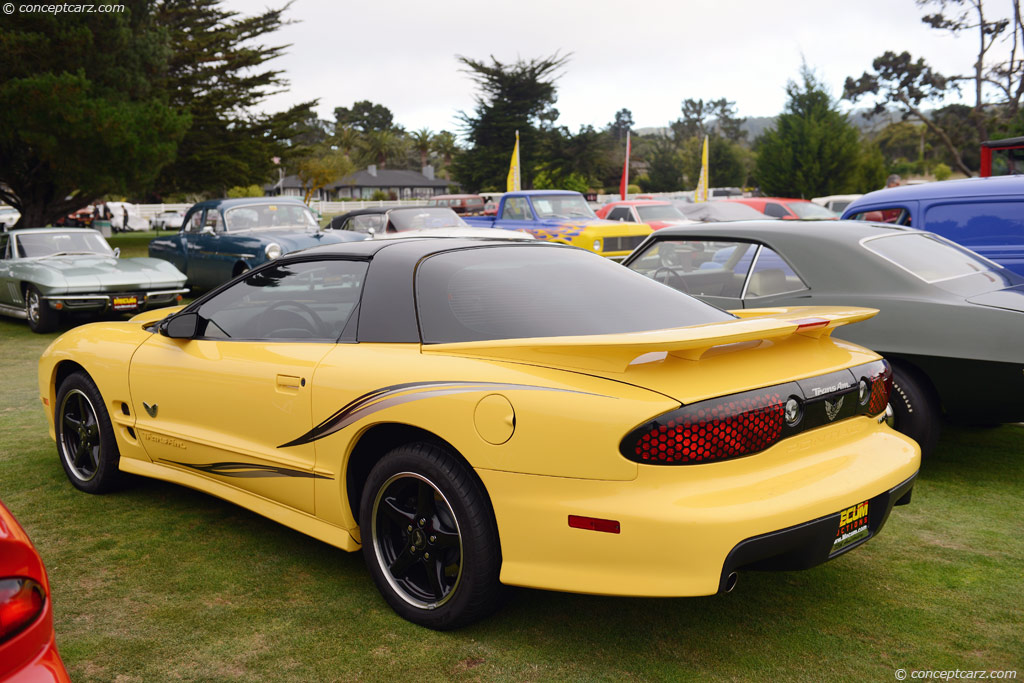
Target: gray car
x,y
45,272
951,322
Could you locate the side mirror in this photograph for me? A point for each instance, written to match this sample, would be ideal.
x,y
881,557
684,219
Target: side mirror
x,y
181,326
117,252
371,232
207,230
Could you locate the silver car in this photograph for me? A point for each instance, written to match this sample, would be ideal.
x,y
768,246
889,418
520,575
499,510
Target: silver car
x,y
46,272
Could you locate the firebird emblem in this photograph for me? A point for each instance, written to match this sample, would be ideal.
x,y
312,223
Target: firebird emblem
x,y
151,409
832,408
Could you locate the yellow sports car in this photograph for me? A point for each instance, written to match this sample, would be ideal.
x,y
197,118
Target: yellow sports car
x,y
472,413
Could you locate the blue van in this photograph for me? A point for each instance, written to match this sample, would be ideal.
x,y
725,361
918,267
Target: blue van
x,y
983,214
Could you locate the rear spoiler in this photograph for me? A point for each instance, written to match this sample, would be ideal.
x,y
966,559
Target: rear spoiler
x,y
615,352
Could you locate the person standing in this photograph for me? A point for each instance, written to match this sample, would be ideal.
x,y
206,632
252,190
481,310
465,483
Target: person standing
x,y
124,221
893,180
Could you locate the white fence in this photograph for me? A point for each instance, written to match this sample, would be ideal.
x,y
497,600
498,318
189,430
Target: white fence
x,y
148,211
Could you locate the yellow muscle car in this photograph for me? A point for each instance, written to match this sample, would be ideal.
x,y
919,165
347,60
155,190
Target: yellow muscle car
x,y
472,413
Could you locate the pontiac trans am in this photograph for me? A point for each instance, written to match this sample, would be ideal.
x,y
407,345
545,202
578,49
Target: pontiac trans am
x,y
472,413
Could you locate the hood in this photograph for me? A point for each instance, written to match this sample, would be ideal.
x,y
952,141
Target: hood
x,y
82,272
292,239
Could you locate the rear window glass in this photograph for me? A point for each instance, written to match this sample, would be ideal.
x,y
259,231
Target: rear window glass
x,y
926,257
535,291
978,223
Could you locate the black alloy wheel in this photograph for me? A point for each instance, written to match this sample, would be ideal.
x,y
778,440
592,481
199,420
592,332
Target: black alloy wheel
x,y
416,538
85,437
430,540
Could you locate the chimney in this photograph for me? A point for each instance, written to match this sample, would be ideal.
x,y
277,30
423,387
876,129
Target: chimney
x,y
428,171
372,170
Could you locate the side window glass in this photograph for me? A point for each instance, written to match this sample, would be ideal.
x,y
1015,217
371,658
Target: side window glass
x,y
212,219
978,223
619,213
775,210
4,254
896,216
311,300
195,222
772,275
516,209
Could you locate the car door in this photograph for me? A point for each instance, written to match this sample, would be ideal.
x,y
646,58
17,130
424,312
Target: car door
x,y
516,214
9,292
222,403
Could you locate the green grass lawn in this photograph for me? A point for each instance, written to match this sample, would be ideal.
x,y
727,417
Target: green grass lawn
x,y
160,582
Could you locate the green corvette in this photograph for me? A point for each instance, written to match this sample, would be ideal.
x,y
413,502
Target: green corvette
x,y
45,272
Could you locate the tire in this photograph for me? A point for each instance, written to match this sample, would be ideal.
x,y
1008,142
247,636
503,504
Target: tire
x,y
85,438
420,500
915,409
41,318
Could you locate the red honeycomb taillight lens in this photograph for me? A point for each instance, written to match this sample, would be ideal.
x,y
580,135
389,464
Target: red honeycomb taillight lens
x,y
716,429
21,602
881,387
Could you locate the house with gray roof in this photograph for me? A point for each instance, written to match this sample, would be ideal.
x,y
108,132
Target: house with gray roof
x,y
363,184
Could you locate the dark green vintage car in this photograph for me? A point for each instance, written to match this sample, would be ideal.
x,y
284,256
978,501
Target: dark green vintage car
x,y
45,272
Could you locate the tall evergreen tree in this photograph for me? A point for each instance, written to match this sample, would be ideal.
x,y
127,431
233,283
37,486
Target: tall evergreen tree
x,y
83,109
513,97
218,74
813,149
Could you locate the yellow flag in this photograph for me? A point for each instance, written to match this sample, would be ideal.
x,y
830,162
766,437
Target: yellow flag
x,y
701,194
515,181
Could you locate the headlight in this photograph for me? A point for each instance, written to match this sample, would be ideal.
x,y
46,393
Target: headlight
x,y
272,250
597,245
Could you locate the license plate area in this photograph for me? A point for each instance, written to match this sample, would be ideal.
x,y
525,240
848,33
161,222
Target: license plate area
x,y
853,527
124,302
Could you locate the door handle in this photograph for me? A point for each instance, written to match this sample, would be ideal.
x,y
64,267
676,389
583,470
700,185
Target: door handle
x,y
290,381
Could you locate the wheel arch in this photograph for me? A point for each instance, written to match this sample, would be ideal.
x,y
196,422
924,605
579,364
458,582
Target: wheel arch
x,y
61,371
918,374
376,442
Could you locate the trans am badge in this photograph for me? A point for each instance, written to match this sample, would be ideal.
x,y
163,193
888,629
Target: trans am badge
x,y
832,408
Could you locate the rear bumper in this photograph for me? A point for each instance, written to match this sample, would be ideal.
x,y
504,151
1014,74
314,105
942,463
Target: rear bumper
x,y
684,529
810,544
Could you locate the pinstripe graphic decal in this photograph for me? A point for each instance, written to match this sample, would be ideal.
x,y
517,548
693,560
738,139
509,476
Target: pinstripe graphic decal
x,y
397,394
245,470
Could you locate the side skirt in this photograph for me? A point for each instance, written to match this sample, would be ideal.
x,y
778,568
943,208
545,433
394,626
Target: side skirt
x,y
300,521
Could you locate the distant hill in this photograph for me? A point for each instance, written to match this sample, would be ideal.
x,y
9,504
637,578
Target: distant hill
x,y
757,125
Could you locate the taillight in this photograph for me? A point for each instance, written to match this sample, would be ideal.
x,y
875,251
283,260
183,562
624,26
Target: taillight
x,y
21,602
746,423
881,386
713,430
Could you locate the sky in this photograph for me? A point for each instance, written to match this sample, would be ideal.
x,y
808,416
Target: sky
x,y
646,55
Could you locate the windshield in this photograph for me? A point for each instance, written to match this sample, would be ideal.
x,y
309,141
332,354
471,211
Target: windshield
x,y
38,244
424,218
659,213
536,291
561,206
810,210
268,216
